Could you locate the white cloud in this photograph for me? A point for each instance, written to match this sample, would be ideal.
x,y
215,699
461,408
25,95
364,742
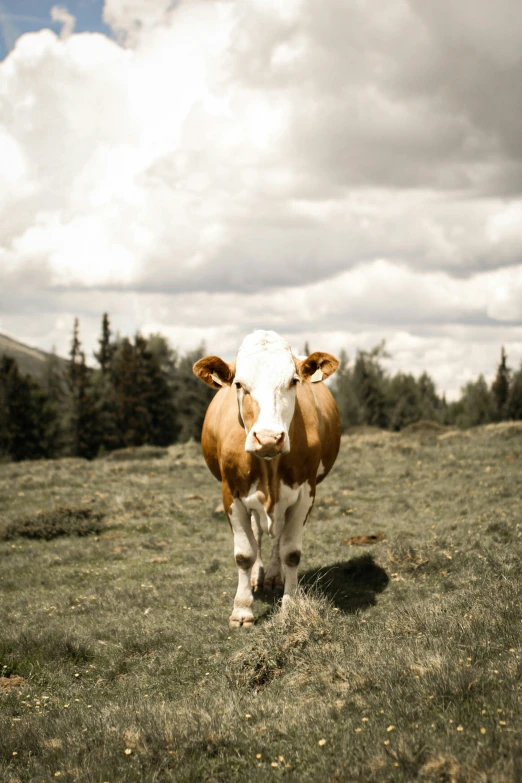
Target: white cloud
x,y
14,170
61,14
234,165
132,17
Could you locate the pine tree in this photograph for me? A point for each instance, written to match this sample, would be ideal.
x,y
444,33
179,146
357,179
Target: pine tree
x,y
74,355
144,401
191,397
166,356
87,426
370,381
24,420
106,351
445,414
56,387
81,413
72,418
432,406
514,401
500,387
133,420
103,393
345,396
476,405
411,400
404,401
156,395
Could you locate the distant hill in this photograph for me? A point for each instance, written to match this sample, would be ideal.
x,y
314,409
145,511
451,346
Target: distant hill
x,y
32,361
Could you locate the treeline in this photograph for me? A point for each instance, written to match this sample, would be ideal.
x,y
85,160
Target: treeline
x,y
367,395
142,392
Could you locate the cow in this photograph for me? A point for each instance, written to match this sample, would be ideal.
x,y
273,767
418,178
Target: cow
x,y
270,435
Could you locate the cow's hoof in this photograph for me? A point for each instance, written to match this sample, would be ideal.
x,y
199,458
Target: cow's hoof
x,y
241,618
257,579
273,581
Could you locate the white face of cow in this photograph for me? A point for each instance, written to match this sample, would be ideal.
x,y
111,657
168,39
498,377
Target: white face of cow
x,y
266,378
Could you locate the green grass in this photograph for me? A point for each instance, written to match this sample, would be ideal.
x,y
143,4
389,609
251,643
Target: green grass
x,y
400,661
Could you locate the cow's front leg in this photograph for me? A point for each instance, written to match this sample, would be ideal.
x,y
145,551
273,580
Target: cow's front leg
x,y
291,540
245,550
258,571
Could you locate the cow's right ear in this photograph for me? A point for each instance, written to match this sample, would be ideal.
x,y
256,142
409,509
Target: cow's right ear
x,y
318,366
214,372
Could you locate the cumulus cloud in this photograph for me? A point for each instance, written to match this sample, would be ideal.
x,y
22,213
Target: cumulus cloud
x,y
61,14
233,165
131,18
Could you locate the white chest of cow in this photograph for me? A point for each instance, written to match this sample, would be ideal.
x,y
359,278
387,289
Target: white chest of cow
x,y
271,433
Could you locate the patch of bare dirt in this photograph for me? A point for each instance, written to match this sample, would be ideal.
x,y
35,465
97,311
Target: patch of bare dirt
x,y
10,683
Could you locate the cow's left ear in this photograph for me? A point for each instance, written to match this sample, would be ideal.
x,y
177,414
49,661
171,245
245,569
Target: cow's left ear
x,y
317,367
214,372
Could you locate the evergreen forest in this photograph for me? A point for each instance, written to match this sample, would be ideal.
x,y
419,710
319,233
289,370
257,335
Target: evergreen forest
x,y
142,392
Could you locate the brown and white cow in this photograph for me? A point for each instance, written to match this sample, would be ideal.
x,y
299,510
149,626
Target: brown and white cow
x,y
270,435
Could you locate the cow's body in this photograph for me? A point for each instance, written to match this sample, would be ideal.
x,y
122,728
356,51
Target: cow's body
x,y
270,436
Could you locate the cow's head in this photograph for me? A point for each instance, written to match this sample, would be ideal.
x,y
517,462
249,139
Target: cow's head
x,y
265,377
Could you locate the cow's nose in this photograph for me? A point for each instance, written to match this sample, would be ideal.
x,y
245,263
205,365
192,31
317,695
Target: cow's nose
x,y
266,439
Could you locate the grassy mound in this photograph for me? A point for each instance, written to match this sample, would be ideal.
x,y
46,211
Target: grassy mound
x,y
286,641
424,426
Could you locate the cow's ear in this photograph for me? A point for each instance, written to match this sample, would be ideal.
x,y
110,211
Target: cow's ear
x,y
317,367
214,372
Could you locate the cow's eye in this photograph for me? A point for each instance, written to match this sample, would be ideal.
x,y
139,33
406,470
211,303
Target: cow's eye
x,y
295,380
237,384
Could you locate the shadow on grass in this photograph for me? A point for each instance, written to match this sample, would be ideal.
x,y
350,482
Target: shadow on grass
x,y
351,586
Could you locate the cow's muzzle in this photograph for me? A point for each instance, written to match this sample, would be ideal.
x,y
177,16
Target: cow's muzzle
x,y
267,444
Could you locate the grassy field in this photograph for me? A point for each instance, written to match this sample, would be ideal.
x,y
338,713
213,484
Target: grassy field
x,y
401,659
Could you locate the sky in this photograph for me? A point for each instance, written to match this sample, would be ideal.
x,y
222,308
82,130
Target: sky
x,y
340,172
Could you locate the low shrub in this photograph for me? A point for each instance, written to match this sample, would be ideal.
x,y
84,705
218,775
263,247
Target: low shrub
x,y
59,521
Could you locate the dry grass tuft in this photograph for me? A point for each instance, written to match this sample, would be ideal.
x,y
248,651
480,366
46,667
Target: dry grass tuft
x,y
441,769
504,429
281,641
451,434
